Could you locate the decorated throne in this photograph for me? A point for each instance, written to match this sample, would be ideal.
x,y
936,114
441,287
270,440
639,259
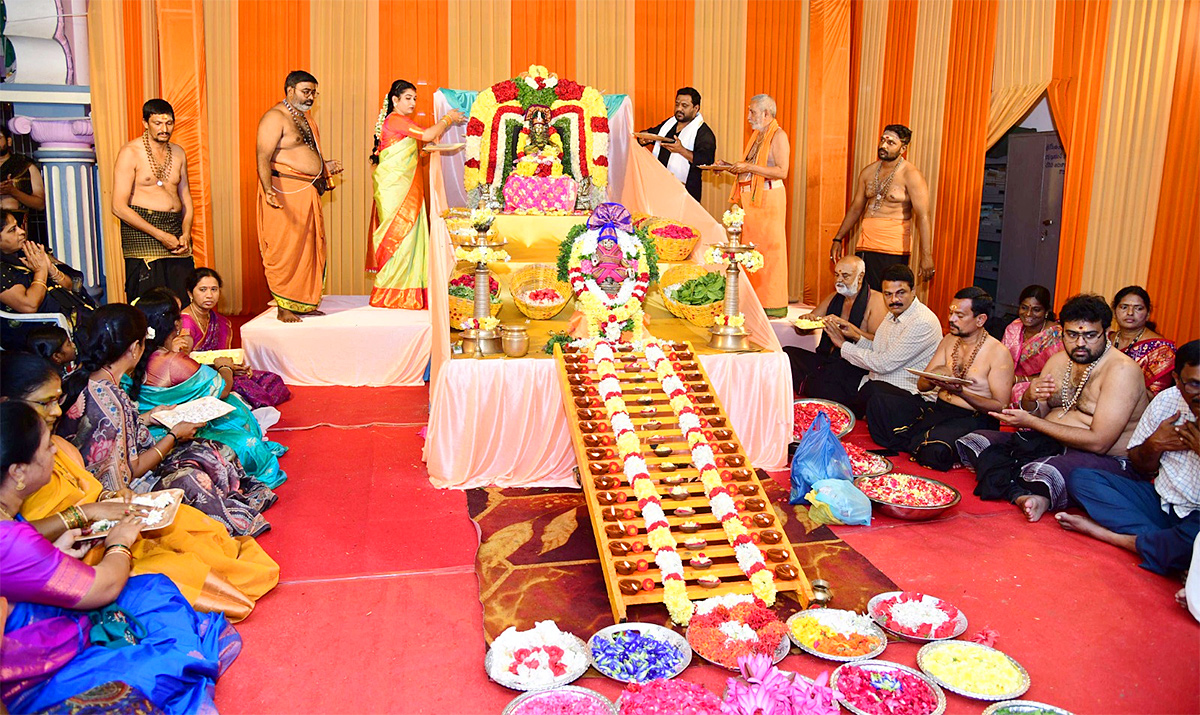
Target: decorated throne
x,y
537,144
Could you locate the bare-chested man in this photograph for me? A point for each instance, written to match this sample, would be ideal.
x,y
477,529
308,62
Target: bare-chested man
x,y
892,192
760,191
902,421
152,199
1078,414
292,176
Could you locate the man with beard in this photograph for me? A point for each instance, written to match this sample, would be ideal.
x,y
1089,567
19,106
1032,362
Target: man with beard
x,y
292,176
893,192
822,373
906,338
694,143
152,199
1078,414
760,192
1156,514
902,421
21,188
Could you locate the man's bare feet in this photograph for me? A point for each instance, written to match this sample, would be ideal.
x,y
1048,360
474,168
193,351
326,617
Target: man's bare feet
x,y
1034,506
314,312
286,316
1088,527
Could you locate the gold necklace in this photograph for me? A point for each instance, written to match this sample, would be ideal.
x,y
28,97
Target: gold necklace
x,y
1065,396
1117,342
191,310
160,171
880,189
4,511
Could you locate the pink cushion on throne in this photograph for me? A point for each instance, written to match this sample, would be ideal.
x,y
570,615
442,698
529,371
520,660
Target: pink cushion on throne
x,y
534,193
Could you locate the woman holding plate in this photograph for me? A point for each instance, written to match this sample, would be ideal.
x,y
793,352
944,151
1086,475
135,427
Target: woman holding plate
x,y
116,444
214,571
400,229
72,628
167,376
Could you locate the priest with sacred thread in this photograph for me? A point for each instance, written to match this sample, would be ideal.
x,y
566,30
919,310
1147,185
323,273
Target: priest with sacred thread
x,y
691,143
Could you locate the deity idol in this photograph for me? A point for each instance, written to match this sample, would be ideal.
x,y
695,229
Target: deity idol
x,y
539,146
609,267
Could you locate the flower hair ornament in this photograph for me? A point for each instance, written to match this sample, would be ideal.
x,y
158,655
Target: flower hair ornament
x,y
149,333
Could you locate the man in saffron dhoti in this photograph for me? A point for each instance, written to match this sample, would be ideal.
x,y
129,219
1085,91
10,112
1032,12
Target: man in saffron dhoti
x,y
760,191
399,247
893,193
292,176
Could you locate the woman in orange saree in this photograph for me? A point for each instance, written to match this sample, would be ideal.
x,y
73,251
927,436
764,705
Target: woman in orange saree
x,y
400,228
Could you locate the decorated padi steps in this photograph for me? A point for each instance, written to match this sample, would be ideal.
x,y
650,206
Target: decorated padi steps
x,y
613,506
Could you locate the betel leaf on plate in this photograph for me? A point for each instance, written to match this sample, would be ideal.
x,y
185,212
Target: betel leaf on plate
x,y
706,289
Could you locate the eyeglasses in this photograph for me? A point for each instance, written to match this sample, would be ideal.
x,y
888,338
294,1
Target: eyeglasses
x,y
1190,386
309,93
1091,336
59,400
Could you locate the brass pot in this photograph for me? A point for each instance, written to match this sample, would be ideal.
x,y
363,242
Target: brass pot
x,y
515,340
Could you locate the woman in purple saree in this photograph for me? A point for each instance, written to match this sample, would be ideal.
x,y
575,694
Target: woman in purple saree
x,y
1135,336
70,627
203,328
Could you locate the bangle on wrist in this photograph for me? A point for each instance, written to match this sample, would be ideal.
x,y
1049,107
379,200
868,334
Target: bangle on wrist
x,y
837,240
1037,405
161,457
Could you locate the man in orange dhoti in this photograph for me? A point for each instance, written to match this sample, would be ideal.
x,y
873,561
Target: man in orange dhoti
x,y
292,176
760,191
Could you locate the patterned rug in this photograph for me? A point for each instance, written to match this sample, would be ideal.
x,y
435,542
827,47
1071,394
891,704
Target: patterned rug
x,y
537,560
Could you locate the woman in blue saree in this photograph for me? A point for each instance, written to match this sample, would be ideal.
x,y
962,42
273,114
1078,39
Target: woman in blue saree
x,y
71,627
164,378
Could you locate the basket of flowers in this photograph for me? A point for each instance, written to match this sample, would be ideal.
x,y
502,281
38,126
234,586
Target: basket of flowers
x,y
462,297
693,293
537,291
673,240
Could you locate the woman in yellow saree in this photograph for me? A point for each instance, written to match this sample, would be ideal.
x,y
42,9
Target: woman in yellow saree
x,y
214,571
400,228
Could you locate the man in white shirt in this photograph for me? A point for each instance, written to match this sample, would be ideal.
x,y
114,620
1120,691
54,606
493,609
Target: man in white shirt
x,y
1159,520
907,337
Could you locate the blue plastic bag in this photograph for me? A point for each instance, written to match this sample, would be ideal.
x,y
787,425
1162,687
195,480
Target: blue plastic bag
x,y
819,456
844,502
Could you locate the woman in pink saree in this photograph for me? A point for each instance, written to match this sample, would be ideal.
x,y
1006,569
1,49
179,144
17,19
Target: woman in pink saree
x,y
1135,336
203,328
1032,338
72,628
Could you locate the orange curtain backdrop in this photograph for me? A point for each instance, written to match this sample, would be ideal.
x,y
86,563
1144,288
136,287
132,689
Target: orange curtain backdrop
x,y
964,141
720,77
868,90
135,56
664,41
413,46
543,27
225,149
901,33
771,69
1080,40
856,24
1176,252
182,73
1024,62
106,30
827,141
480,40
604,45
1135,113
273,39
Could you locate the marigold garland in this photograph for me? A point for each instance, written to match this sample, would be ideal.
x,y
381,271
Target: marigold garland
x,y
482,254
658,530
749,556
537,86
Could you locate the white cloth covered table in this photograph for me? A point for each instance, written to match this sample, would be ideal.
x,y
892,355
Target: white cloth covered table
x,y
352,345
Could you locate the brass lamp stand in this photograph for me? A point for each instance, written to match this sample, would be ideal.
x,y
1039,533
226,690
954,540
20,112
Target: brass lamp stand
x,y
476,340
731,337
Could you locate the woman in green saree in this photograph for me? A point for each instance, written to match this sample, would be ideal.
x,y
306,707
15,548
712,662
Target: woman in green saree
x,y
399,227
164,378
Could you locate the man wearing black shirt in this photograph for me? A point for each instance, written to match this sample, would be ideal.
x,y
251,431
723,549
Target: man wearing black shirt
x,y
695,144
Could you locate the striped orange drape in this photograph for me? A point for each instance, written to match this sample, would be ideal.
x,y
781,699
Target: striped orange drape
x,y
541,26
1172,277
896,100
273,40
419,54
135,54
968,82
664,42
827,143
1080,40
182,71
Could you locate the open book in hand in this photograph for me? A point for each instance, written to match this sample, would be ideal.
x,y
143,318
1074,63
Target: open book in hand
x,y
198,411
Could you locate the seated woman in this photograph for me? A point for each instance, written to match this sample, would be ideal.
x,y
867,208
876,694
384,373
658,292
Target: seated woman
x,y
117,447
1033,337
33,281
1135,336
203,328
164,378
214,571
62,612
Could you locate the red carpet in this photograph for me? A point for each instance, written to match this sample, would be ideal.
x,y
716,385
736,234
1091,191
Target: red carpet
x,y
378,611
